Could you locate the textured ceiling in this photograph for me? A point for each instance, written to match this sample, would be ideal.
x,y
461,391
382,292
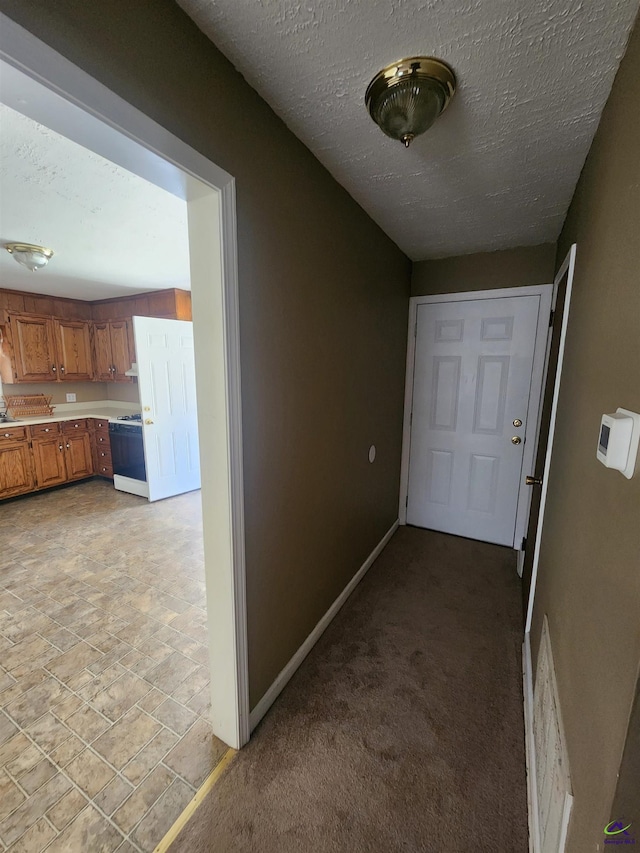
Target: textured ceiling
x,y
499,168
112,232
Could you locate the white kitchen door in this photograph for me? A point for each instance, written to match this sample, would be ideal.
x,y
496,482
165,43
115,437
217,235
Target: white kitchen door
x,y
472,377
166,378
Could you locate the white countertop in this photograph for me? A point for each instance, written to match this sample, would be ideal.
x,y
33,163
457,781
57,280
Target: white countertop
x,y
70,411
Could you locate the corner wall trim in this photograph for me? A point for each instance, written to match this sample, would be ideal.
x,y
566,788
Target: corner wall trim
x,y
530,747
284,676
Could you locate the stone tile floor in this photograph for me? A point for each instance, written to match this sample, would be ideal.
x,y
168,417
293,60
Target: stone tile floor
x,y
104,678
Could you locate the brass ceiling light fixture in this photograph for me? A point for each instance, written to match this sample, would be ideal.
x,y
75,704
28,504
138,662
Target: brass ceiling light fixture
x,y
30,256
406,97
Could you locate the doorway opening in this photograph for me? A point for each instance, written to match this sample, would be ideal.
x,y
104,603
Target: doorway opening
x,y
58,95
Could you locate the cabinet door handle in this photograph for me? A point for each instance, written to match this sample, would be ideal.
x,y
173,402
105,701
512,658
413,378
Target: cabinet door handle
x,y
68,445
62,368
53,368
60,448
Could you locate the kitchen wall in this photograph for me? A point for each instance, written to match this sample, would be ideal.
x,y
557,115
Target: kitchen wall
x,y
485,270
85,392
124,392
589,581
323,313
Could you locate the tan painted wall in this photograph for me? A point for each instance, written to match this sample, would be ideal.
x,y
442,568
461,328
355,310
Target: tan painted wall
x,y
323,304
124,392
589,582
86,392
485,270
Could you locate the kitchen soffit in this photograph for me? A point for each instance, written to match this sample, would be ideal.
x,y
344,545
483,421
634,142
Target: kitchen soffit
x,y
499,168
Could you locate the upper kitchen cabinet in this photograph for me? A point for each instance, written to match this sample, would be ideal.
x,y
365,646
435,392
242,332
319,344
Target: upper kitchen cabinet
x,y
111,353
73,347
33,344
45,349
55,339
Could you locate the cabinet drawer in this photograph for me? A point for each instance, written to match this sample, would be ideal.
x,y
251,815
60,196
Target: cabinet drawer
x,y
104,469
12,433
102,439
100,424
103,456
74,426
38,430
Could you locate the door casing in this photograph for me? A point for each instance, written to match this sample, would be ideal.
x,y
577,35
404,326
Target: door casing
x,y
545,291
66,99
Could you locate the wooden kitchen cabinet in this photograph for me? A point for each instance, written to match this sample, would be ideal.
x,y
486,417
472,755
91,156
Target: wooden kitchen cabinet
x,y
46,349
49,461
16,463
111,355
78,457
66,455
73,350
34,355
101,446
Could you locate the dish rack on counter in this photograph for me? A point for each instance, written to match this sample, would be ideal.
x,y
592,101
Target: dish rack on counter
x,y
27,405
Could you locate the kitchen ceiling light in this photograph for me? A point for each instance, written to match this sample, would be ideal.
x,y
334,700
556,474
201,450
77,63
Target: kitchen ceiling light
x,y
29,256
405,98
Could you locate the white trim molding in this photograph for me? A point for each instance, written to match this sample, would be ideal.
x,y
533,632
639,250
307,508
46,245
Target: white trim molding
x,y
285,675
530,748
41,83
545,292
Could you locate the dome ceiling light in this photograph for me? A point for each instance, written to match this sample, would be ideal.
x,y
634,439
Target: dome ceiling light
x,y
405,98
30,256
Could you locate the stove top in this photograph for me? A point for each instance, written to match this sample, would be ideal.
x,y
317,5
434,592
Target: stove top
x,y
129,418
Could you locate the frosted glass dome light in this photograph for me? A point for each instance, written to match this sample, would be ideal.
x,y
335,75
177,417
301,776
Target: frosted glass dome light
x,y
405,98
30,256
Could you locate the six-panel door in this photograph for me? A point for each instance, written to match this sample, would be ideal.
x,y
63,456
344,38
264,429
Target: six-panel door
x,y
472,376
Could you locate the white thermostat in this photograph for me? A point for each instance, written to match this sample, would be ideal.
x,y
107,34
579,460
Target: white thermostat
x,y
618,441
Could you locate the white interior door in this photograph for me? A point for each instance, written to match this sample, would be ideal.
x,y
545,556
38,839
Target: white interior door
x,y
166,377
471,387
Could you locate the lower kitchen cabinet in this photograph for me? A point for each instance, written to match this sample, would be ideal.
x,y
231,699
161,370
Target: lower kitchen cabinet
x,y
49,459
44,455
17,474
102,464
61,458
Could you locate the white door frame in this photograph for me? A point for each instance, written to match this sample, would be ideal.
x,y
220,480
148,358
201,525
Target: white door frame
x,y
92,115
545,292
568,268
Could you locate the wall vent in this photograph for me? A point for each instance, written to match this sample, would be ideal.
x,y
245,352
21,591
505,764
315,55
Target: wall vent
x,y
552,777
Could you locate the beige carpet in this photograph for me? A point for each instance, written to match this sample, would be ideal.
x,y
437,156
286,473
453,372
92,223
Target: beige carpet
x,y
403,729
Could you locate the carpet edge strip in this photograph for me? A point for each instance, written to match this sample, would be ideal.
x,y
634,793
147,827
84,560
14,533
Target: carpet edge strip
x,y
193,804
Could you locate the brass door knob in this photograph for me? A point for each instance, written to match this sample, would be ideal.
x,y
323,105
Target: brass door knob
x,y
517,422
533,481
515,439
148,421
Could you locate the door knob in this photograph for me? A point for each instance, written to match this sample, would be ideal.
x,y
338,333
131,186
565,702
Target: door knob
x,y
533,481
515,439
148,421
517,422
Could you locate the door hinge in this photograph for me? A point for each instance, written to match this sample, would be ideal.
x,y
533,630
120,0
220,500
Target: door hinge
x,y
415,329
406,501
551,316
410,418
523,547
